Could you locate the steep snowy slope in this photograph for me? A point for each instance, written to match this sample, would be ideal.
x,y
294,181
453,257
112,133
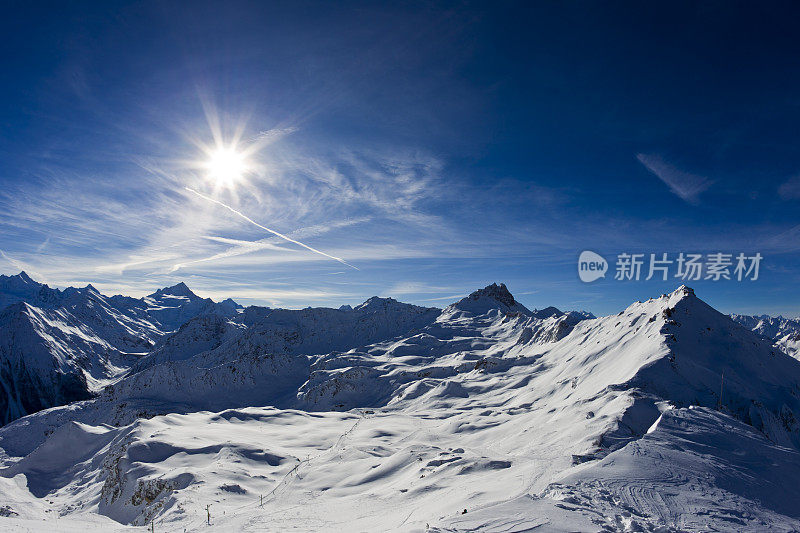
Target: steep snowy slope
x,y
49,357
784,332
524,419
41,358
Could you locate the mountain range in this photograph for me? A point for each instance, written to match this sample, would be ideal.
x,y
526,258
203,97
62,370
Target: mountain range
x,y
482,416
783,332
61,346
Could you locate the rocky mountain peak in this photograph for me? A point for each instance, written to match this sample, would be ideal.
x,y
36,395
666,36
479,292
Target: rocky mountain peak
x,y
496,292
180,289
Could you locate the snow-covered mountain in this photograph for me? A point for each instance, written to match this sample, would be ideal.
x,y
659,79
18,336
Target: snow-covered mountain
x,y
784,332
58,346
484,416
21,288
172,307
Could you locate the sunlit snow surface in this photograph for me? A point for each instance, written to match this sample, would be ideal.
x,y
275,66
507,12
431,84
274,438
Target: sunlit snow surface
x,y
526,421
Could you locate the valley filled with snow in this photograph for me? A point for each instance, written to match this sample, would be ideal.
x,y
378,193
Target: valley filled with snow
x,y
177,413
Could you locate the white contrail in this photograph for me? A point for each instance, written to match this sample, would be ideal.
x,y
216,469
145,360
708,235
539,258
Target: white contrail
x,y
281,235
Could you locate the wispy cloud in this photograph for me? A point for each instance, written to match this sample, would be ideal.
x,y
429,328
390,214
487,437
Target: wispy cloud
x,y
277,234
41,247
790,189
449,298
239,248
686,185
274,134
785,241
141,223
389,210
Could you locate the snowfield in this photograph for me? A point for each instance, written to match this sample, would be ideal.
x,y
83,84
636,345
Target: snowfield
x,y
484,416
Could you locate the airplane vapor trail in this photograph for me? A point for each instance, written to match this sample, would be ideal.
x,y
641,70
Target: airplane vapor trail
x,y
281,235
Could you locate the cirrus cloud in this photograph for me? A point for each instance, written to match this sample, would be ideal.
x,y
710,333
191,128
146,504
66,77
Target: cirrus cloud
x,y
684,184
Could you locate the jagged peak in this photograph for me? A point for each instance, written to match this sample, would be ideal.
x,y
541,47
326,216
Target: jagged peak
x,y
496,292
684,296
75,294
683,291
22,278
25,277
494,296
179,289
91,288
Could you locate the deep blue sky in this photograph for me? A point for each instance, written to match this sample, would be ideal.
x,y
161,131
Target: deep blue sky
x,y
436,147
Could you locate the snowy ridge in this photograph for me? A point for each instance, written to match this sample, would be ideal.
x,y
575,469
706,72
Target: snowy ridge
x,y
38,367
395,417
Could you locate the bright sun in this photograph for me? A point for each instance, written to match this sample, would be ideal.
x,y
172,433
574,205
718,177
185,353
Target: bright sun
x,y
226,166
